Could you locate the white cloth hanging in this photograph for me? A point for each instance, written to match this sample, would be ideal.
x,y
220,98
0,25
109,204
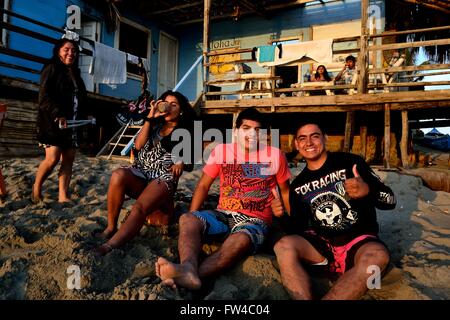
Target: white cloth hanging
x,y
109,65
317,50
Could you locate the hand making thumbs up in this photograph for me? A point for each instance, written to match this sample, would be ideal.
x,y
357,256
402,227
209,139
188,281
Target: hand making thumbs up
x,y
356,187
277,204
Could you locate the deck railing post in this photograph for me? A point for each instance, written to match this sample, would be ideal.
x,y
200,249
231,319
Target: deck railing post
x,y
363,53
387,135
206,12
404,139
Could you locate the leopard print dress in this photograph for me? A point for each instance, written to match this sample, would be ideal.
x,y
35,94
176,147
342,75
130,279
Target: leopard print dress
x,y
153,161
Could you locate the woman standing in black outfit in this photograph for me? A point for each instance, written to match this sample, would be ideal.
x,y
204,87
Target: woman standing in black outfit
x,y
61,97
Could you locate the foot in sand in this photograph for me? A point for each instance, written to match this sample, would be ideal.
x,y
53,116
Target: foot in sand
x,y
105,234
102,250
36,197
65,200
172,274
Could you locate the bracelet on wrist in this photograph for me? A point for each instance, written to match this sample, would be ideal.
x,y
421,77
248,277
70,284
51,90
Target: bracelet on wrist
x,y
149,119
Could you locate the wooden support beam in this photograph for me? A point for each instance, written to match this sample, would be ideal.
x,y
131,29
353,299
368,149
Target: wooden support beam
x,y
404,140
409,84
397,33
21,68
228,62
387,135
410,68
175,8
363,53
253,7
228,51
428,124
22,55
368,102
415,44
429,6
430,74
206,12
363,135
349,124
36,22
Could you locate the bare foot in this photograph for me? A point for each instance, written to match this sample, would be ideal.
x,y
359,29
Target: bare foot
x,y
36,197
105,234
172,274
102,250
64,200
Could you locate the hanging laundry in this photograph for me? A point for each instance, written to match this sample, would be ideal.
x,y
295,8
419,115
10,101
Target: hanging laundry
x,y
318,50
109,65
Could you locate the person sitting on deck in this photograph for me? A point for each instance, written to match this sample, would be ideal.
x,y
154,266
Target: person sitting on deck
x,y
153,177
249,172
345,76
321,75
332,225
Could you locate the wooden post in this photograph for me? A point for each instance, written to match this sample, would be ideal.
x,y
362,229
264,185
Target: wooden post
x,y
206,10
363,136
363,53
349,131
404,140
235,115
387,134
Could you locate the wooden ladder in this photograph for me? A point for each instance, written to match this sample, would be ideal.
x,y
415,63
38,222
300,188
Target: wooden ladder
x,y
118,141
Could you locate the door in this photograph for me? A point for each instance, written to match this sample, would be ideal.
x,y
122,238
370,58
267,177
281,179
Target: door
x,y
91,30
167,63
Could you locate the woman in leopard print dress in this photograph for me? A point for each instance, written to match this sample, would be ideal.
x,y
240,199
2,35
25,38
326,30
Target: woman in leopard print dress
x,y
153,177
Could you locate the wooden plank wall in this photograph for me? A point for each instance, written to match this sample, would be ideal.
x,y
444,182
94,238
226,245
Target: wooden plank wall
x,y
18,133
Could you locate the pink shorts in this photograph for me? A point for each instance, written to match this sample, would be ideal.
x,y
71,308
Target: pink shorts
x,y
340,258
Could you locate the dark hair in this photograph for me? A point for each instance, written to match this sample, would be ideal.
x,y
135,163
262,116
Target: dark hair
x,y
186,121
350,57
187,114
250,114
60,43
325,73
302,124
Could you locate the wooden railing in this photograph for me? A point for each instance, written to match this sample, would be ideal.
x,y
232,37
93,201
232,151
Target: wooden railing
x,y
373,78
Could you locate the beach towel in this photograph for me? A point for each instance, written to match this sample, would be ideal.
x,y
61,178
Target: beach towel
x,y
266,53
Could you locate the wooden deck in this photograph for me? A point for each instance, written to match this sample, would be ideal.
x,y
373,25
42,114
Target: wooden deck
x,y
407,100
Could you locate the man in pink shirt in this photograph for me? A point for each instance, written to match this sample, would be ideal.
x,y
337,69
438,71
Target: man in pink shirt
x,y
249,173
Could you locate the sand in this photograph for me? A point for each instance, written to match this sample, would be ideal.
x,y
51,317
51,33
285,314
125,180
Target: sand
x,y
38,243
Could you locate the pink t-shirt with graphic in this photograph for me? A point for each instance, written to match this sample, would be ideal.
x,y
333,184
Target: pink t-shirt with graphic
x,y
246,181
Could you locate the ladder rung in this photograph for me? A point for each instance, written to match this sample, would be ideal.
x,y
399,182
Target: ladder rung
x,y
128,136
119,144
134,127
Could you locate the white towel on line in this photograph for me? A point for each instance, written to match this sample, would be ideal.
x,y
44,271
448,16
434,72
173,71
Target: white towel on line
x,y
110,65
318,50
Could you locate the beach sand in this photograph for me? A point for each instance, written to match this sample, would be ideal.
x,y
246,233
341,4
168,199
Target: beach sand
x,y
39,242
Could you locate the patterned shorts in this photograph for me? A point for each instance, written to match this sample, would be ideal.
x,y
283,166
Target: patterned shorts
x,y
170,184
218,225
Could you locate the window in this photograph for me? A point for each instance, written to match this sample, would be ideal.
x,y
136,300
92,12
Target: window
x,y
4,4
135,40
